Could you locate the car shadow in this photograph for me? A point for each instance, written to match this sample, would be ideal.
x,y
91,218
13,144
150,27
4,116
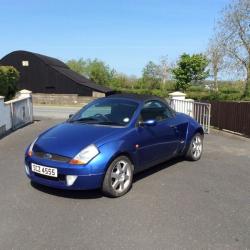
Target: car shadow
x,y
157,168
95,194
71,194
15,130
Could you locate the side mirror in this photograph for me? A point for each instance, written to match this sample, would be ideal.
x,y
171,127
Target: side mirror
x,y
70,115
148,123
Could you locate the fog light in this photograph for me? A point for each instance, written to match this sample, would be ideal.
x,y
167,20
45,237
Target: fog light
x,y
70,179
27,170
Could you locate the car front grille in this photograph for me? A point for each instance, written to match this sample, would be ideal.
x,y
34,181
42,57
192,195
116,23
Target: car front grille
x,y
53,157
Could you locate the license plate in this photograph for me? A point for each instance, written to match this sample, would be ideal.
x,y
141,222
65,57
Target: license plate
x,y
44,170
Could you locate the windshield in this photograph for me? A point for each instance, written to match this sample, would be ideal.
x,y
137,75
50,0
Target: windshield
x,y
113,112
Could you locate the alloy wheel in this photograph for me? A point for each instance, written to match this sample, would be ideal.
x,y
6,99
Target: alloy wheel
x,y
197,146
121,176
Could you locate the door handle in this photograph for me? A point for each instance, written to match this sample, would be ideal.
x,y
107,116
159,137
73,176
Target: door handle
x,y
173,126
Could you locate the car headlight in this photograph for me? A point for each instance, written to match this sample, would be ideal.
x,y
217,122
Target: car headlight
x,y
30,150
86,155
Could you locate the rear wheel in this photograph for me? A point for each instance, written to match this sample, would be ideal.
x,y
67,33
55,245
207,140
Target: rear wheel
x,y
195,148
118,178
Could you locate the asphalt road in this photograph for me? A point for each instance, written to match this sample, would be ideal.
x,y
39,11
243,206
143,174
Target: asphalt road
x,y
56,112
177,205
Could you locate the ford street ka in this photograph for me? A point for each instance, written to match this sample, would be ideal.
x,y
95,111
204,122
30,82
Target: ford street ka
x,y
108,141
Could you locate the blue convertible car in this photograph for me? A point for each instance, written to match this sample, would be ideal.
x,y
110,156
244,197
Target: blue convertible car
x,y
108,141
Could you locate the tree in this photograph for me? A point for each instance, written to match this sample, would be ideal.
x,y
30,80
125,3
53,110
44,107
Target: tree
x,y
165,69
99,72
120,80
215,56
234,31
77,65
96,70
8,81
190,68
151,75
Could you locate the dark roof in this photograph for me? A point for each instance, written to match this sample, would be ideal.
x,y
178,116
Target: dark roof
x,y
46,59
49,60
137,97
81,79
62,68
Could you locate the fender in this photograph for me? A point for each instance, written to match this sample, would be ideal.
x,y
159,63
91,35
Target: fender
x,y
109,151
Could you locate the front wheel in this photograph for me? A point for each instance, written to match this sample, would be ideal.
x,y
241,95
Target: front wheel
x,y
118,178
195,148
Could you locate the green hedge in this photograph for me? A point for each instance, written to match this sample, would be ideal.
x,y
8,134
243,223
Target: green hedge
x,y
8,81
227,91
157,92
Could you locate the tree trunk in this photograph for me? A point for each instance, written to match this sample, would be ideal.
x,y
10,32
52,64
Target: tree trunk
x,y
216,82
247,85
216,79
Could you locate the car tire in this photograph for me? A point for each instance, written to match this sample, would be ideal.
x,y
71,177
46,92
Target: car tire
x,y
118,178
195,148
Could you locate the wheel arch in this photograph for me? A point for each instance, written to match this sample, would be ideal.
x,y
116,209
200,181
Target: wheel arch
x,y
121,153
199,130
192,129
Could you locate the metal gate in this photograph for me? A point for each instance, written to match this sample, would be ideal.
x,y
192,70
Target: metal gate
x,y
200,111
202,114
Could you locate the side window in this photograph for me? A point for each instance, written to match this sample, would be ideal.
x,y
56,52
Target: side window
x,y
155,110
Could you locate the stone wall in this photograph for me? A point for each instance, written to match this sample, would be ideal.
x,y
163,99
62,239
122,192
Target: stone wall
x,y
16,112
5,117
61,99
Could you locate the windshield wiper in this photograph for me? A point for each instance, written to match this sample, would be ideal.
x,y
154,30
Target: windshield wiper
x,y
84,120
109,123
91,120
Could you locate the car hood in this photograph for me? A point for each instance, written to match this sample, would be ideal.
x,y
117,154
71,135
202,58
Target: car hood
x,y
68,139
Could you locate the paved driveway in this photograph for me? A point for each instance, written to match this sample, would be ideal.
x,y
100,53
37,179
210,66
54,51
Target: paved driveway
x,y
177,205
55,112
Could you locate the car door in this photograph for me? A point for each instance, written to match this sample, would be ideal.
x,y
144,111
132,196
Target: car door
x,y
159,142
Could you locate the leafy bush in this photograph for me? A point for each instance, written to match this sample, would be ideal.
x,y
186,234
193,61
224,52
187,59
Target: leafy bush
x,y
196,88
230,91
204,95
195,92
190,68
168,86
212,95
156,92
8,81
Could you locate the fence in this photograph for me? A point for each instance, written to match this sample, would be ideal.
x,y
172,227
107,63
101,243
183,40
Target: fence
x,y
202,113
185,106
15,113
233,116
198,110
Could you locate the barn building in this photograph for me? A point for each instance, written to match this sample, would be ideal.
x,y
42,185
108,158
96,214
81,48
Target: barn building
x,y
43,74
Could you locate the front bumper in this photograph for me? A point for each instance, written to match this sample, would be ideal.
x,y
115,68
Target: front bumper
x,y
85,178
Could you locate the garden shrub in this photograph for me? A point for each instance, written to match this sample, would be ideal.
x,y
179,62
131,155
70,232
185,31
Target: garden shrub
x,y
8,81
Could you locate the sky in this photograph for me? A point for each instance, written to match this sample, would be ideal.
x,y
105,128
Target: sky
x,y
126,34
